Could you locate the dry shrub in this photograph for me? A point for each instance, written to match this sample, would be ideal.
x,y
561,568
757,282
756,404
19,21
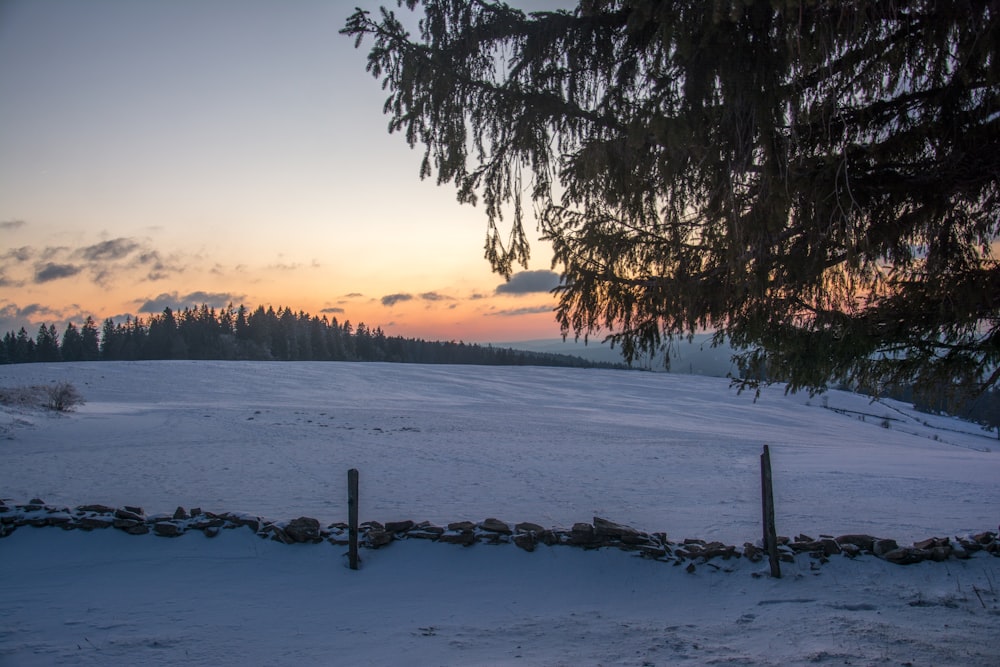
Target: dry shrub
x,y
60,396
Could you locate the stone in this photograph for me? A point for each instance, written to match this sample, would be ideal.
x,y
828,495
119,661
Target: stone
x,y
863,542
487,537
550,537
495,526
429,533
465,537
752,552
167,529
603,527
180,514
134,510
939,554
242,520
462,526
399,526
651,551
525,540
881,547
276,533
378,538
204,521
528,527
905,556
126,514
303,529
716,550
849,550
211,531
99,509
582,534
91,522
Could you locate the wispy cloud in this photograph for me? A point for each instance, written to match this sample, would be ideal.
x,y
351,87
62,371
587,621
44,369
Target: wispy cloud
x,y
108,250
390,300
103,263
529,282
22,254
333,310
13,318
435,296
49,271
12,224
8,282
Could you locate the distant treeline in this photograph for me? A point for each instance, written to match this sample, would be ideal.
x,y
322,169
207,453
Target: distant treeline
x,y
262,334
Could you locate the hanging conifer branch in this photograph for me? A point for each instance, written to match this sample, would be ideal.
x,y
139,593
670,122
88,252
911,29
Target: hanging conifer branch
x,y
816,182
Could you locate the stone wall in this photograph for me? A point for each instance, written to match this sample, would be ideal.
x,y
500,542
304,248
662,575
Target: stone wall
x,y
601,533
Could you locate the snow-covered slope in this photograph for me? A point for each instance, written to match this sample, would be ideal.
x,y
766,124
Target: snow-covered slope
x,y
659,452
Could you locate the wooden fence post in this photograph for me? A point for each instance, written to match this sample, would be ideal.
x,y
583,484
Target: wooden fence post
x,y
352,516
767,502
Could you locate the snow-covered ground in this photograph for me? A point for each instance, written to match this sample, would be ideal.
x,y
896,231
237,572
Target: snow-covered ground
x,y
659,452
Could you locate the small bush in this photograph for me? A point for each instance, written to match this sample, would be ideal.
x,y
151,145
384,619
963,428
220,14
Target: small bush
x,y
21,396
62,397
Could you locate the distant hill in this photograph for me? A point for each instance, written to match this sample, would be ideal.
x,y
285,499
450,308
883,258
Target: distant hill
x,y
695,358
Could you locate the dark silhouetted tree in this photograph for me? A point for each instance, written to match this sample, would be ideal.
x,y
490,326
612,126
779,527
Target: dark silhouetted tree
x,y
72,344
90,342
817,182
47,344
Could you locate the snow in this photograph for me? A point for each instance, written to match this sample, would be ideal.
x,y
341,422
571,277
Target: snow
x,y
655,451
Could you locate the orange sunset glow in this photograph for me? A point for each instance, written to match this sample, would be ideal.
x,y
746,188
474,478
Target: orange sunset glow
x,y
159,155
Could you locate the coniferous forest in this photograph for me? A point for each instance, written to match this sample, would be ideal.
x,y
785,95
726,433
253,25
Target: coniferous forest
x,y
262,334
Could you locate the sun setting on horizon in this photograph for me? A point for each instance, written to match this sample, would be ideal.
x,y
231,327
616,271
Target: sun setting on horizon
x,y
187,153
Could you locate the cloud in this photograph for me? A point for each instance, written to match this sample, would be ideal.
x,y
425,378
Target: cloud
x,y
153,264
22,254
515,312
51,271
7,282
353,295
13,318
434,296
529,282
108,250
333,310
12,224
393,299
175,301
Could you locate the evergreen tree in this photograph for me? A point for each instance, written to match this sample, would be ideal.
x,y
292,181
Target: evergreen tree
x,y
24,348
47,344
89,340
72,344
817,182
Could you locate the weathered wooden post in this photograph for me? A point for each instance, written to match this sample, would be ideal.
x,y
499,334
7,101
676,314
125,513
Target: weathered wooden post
x,y
767,502
352,516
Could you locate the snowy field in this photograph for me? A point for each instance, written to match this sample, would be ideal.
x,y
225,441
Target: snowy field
x,y
658,452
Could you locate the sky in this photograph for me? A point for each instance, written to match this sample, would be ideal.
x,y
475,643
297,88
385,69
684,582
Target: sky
x,y
170,154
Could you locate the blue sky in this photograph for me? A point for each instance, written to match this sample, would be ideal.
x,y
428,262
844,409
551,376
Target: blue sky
x,y
174,153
